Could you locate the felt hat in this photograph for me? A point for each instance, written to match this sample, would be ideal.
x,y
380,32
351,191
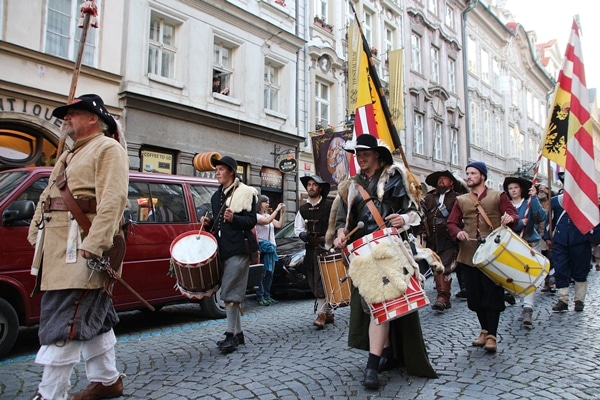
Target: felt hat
x,y
92,103
432,179
480,166
325,186
369,142
524,183
227,161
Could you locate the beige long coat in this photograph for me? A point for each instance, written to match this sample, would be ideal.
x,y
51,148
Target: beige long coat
x,y
96,167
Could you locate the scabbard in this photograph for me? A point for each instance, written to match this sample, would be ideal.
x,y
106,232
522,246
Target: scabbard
x,y
114,275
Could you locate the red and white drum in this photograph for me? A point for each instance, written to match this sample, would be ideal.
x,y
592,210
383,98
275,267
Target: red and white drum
x,y
413,299
195,263
336,282
362,246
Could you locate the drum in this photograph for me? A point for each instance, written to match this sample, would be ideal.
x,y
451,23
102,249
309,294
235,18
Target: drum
x,y
363,245
195,262
335,279
413,299
509,261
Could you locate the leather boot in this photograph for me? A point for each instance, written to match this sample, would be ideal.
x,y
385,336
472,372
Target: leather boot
x,y
480,341
442,285
329,318
490,343
97,390
320,321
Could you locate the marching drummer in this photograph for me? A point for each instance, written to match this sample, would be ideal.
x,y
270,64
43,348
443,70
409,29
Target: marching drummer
x,y
472,218
310,225
386,201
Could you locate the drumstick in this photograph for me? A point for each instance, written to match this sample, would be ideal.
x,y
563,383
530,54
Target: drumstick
x,y
201,227
358,226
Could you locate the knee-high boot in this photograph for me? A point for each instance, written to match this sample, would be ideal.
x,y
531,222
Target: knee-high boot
x,y
442,285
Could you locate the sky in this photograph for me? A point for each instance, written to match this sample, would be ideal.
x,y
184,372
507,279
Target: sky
x,y
552,19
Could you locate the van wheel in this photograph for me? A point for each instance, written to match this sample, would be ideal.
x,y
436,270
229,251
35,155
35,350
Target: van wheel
x,y
9,327
213,307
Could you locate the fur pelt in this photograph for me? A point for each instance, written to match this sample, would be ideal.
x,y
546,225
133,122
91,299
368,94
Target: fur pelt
x,y
242,196
424,253
348,192
384,273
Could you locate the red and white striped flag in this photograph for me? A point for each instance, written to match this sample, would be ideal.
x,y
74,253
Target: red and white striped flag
x,y
580,195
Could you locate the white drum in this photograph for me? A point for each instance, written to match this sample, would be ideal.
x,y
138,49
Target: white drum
x,y
509,261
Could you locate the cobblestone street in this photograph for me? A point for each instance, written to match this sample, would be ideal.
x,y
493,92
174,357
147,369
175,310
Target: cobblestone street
x,y
172,355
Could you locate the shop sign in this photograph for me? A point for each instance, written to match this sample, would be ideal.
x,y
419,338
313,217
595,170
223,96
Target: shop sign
x,y
271,179
157,161
288,165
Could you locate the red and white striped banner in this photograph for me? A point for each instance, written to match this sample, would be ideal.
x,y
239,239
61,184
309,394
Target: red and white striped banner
x,y
581,195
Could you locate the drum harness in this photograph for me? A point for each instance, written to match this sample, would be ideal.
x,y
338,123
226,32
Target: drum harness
x,y
482,212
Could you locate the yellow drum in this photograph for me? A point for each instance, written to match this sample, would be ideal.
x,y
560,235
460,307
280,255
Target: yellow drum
x,y
335,279
509,261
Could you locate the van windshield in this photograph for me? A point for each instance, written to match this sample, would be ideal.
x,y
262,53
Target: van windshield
x,y
9,180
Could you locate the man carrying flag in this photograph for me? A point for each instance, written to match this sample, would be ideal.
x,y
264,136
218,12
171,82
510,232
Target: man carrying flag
x,y
569,143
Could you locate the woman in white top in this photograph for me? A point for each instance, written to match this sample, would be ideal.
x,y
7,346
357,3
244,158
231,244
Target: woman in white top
x,y
265,229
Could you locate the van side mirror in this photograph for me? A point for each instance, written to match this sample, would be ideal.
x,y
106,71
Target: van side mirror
x,y
19,213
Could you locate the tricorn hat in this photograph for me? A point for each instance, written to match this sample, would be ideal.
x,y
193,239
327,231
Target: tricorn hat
x,y
92,103
367,141
524,183
432,179
325,186
227,161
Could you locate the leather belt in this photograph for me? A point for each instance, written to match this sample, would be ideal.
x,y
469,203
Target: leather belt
x,y
58,204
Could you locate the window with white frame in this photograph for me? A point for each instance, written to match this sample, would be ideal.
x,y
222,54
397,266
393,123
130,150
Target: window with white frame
x,y
321,9
432,7
514,140
271,85
435,64
449,17
418,134
472,56
529,99
223,67
499,134
62,34
487,130
496,74
452,75
389,41
415,46
161,47
514,91
485,66
454,146
367,26
475,133
437,140
536,110
322,99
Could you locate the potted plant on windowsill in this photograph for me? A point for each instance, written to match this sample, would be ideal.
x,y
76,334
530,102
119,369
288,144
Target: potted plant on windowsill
x,y
374,51
319,20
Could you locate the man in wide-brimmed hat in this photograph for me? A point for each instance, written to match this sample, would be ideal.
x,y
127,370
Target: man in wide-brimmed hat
x,y
310,225
77,313
386,195
437,205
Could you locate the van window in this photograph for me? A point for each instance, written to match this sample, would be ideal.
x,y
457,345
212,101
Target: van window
x,y
201,195
9,181
157,202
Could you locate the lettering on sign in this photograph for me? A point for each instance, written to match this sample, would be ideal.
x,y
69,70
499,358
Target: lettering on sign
x,y
155,161
29,107
271,179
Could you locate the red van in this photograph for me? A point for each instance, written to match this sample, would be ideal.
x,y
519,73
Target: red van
x,y
161,207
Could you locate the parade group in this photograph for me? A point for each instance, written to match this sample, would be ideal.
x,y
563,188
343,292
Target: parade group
x,y
379,220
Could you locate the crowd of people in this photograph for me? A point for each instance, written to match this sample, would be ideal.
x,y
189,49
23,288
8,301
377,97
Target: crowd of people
x,y
453,220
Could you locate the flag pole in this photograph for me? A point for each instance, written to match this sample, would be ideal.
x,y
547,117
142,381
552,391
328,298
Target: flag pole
x,y
89,11
377,84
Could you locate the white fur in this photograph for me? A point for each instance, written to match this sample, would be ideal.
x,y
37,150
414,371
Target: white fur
x,y
241,198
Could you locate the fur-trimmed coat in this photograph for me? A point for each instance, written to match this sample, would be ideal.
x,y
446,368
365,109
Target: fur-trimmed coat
x,y
230,235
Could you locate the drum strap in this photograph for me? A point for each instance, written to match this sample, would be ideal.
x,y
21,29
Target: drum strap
x,y
477,205
374,211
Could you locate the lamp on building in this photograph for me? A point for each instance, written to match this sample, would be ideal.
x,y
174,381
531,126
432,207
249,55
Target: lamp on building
x,y
350,122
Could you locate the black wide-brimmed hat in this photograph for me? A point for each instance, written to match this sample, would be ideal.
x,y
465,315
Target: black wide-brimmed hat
x,y
227,161
432,179
369,142
524,183
325,186
92,103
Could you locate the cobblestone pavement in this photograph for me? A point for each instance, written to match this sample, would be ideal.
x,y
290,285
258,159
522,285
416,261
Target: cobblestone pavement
x,y
172,355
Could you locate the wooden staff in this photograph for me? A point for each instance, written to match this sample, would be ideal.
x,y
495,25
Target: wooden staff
x,y
89,9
